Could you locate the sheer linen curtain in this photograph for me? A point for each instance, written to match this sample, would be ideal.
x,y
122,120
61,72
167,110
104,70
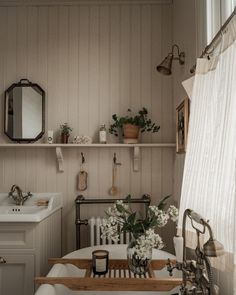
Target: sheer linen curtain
x,y
210,165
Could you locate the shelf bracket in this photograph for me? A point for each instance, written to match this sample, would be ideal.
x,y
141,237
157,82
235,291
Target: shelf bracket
x,y
136,159
60,159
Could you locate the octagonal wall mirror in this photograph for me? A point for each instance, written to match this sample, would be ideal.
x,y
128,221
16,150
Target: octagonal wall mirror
x,y
24,111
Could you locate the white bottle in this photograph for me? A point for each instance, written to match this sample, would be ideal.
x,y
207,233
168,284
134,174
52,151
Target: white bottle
x,y
50,136
103,134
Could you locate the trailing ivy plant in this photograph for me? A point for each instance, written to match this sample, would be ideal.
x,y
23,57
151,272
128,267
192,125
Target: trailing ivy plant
x,y
141,120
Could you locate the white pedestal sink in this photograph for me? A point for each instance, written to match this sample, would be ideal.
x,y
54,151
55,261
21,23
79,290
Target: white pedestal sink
x,y
30,211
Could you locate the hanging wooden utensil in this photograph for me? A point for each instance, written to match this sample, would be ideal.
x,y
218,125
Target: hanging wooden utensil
x,y
113,191
82,176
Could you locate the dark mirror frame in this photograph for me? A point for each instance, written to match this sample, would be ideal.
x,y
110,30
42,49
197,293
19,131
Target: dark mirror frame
x,y
25,83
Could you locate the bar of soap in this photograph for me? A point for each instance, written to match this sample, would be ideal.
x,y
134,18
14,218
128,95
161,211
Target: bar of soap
x,y
42,202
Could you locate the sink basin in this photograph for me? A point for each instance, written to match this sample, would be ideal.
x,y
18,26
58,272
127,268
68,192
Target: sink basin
x,y
30,211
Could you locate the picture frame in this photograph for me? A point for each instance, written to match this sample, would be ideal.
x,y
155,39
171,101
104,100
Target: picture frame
x,y
182,119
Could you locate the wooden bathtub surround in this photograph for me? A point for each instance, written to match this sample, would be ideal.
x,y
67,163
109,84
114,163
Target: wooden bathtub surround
x,y
118,278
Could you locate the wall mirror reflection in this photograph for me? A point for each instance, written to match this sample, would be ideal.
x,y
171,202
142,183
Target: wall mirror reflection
x,y
24,111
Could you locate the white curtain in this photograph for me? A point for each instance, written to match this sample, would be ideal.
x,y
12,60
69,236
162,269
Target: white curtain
x,y
210,165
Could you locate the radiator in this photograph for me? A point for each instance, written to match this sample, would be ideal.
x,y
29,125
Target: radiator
x,y
95,234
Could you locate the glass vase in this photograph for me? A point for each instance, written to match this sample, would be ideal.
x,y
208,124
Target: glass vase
x,y
139,259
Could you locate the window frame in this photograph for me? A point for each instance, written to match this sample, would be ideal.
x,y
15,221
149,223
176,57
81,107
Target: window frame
x,y
217,13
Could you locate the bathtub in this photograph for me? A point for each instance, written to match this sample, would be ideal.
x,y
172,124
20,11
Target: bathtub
x,y
115,252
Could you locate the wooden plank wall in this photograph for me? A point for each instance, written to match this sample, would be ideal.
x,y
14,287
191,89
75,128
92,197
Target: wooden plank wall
x,y
92,61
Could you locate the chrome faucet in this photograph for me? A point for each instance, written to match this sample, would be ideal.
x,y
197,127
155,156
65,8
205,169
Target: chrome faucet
x,y
19,197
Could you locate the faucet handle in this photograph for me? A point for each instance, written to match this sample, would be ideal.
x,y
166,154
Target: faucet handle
x,y
170,267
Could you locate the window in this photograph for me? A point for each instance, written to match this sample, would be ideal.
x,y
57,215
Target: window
x,y
217,13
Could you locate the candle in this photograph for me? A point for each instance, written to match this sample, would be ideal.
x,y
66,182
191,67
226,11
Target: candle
x,y
100,261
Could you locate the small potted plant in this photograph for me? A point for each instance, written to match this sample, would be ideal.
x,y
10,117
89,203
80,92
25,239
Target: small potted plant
x,y
65,132
132,124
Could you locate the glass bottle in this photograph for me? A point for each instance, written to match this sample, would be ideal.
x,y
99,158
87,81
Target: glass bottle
x,y
103,134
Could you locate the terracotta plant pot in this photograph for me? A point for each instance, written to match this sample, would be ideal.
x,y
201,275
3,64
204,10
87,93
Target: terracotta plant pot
x,y
64,137
131,133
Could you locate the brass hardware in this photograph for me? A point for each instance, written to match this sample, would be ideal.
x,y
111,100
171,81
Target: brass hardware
x,y
19,197
166,65
215,40
81,221
2,260
115,160
197,274
83,158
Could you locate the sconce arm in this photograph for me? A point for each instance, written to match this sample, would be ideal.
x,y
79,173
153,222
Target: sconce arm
x,y
181,55
173,48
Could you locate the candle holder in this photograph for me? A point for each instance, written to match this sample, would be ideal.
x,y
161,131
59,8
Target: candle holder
x,y
100,261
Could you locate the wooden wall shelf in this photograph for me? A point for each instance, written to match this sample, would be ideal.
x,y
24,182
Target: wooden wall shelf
x,y
92,145
59,147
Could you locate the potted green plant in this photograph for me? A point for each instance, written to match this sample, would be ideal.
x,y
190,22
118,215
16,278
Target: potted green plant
x,y
132,124
65,132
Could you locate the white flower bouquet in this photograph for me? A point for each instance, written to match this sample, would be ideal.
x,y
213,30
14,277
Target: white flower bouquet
x,y
121,218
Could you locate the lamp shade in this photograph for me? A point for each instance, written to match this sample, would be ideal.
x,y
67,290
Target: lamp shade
x,y
166,65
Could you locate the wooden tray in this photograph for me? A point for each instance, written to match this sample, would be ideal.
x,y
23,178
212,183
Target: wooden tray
x,y
118,278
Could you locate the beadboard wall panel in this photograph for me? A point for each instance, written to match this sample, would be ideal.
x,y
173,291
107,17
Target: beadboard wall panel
x,y
92,61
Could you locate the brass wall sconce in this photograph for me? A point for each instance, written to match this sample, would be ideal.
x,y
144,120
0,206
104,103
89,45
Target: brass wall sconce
x,y
166,65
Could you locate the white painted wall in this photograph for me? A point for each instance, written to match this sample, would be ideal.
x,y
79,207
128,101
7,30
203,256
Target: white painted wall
x,y
92,61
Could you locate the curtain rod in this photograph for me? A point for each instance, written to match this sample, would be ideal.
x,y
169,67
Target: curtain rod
x,y
216,38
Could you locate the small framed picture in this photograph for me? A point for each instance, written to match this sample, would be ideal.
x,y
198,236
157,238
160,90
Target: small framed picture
x,y
182,117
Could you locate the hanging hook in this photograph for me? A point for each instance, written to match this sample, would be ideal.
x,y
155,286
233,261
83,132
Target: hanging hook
x,y
83,158
173,48
115,160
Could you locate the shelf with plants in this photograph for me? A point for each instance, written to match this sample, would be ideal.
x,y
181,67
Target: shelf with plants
x,y
129,125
